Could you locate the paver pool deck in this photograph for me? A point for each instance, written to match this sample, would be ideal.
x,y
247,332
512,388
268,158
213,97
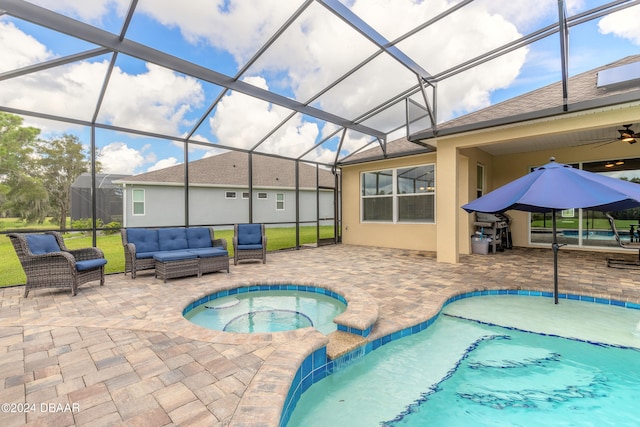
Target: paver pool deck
x,y
122,354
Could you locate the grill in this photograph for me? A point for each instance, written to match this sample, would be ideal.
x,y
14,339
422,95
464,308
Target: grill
x,y
495,226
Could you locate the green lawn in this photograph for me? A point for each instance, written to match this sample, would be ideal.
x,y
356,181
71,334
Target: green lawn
x,y
11,272
596,224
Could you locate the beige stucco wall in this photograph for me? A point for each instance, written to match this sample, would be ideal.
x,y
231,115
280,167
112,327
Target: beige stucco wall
x,y
456,160
355,232
506,168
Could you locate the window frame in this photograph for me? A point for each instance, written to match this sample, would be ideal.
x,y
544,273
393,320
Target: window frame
x,y
480,186
278,201
227,195
396,196
260,193
135,202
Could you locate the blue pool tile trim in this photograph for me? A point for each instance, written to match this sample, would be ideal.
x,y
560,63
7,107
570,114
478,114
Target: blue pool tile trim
x,y
321,366
274,287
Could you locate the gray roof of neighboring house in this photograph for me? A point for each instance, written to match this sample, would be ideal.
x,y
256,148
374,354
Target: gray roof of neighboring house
x,y
231,169
103,180
583,93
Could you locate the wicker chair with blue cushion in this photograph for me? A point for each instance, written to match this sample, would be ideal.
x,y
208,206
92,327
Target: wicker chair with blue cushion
x,y
249,242
48,263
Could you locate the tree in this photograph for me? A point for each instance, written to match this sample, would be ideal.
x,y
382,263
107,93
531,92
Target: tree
x,y
17,143
63,160
21,192
27,199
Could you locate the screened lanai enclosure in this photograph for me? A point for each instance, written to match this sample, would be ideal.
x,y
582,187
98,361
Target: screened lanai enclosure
x,y
186,102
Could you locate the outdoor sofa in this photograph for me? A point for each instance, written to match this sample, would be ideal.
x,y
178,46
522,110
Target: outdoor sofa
x,y
48,263
174,252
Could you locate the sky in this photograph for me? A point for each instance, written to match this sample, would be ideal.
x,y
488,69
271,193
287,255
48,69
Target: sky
x,y
312,53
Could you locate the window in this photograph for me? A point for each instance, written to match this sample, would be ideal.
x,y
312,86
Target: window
x,y
262,196
480,180
399,195
138,201
279,201
230,195
589,228
245,194
377,196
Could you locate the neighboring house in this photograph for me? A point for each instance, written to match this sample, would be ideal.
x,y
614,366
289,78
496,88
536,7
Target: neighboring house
x,y
108,198
219,193
410,195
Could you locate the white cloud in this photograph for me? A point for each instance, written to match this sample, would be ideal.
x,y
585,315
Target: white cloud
x,y
156,100
623,24
19,49
242,121
119,158
89,11
238,27
164,163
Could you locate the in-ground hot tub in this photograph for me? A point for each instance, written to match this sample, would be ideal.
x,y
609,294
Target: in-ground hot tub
x,y
267,308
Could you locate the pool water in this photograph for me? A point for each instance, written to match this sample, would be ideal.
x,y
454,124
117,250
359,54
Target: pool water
x,y
268,311
467,370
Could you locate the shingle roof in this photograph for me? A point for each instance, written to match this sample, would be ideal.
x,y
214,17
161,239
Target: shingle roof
x,y
581,88
397,148
231,169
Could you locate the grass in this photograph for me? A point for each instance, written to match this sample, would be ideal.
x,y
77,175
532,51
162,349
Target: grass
x,y
11,272
595,224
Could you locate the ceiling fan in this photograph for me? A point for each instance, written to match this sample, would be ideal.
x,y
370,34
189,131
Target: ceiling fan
x,y
628,135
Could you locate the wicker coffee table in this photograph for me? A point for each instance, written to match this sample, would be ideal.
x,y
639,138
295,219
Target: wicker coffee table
x,y
176,264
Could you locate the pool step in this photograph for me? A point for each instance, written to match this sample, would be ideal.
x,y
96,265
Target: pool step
x,y
341,343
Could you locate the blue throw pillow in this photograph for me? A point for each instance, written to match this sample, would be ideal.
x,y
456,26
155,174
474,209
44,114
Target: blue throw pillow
x,y
199,237
42,243
146,240
249,234
172,239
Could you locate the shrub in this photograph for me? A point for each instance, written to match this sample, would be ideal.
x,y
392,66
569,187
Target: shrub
x,y
112,228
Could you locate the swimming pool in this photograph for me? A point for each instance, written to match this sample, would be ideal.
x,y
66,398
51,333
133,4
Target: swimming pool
x,y
467,370
265,309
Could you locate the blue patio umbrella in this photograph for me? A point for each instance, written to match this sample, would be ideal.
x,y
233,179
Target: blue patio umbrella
x,y
556,186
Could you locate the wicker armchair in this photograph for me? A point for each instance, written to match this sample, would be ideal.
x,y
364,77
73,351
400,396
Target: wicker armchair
x,y
249,242
48,263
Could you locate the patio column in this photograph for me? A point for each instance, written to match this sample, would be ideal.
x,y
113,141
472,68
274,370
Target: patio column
x,y
447,209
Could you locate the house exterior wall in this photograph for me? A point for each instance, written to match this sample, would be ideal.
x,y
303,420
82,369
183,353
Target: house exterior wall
x,y
456,161
418,236
506,168
210,206
163,206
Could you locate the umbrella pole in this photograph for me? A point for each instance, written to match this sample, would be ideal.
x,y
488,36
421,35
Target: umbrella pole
x,y
555,247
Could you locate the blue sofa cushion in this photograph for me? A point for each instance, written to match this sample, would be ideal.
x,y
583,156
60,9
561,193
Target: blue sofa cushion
x,y
90,264
146,240
209,252
174,256
249,247
145,255
199,237
40,244
172,239
249,234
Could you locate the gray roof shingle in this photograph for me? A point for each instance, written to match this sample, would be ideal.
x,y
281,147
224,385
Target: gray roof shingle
x,y
231,169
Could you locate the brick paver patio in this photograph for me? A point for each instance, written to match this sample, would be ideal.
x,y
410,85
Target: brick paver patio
x,y
123,355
